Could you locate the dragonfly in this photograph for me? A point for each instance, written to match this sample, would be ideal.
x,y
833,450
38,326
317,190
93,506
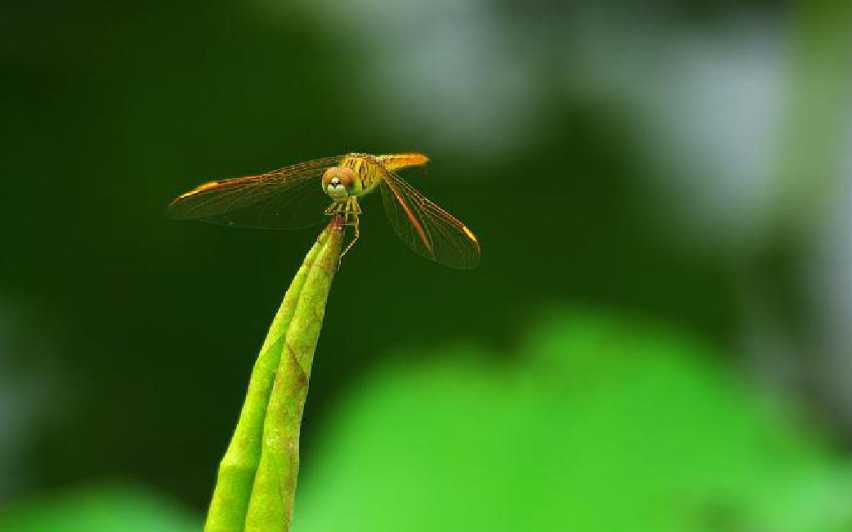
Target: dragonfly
x,y
298,196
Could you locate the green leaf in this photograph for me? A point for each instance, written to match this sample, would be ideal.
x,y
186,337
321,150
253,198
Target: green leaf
x,y
114,508
596,424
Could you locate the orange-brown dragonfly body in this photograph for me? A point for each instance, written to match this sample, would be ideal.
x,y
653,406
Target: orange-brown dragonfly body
x,y
293,197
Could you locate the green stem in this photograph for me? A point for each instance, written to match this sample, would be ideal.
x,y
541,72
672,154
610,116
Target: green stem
x,y
257,476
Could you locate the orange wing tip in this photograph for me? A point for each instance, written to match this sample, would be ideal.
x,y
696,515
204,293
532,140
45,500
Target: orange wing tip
x,y
469,234
199,189
187,194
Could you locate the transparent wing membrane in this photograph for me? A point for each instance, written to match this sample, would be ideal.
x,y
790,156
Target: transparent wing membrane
x,y
288,198
425,227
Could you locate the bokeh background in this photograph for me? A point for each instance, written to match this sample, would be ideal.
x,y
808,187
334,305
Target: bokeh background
x,y
659,336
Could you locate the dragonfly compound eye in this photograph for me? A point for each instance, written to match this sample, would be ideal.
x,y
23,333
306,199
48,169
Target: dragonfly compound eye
x,y
338,177
338,182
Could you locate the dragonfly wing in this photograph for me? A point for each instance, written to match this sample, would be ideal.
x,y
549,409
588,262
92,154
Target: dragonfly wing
x,y
425,227
288,198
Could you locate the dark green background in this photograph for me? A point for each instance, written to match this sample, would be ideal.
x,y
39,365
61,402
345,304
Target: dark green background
x,y
132,336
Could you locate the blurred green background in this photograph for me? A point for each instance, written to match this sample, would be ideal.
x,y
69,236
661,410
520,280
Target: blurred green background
x,y
658,337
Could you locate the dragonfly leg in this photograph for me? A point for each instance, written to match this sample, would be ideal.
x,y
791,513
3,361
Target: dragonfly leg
x,y
355,224
335,208
352,206
352,212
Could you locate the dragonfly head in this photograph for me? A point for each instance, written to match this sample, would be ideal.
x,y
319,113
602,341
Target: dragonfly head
x,y
338,183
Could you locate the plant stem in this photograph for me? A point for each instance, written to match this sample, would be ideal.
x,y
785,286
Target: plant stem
x,y
257,476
